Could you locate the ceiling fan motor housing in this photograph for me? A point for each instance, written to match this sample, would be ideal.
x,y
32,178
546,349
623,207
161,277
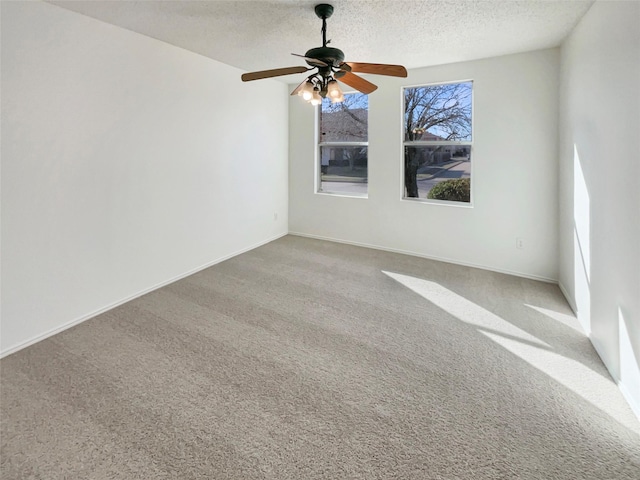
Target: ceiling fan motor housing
x,y
323,10
329,55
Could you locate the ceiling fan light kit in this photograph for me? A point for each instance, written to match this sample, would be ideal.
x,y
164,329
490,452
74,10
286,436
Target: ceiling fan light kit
x,y
330,68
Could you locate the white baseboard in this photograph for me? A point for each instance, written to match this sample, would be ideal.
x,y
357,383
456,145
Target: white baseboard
x,y
569,300
633,402
586,328
99,311
430,257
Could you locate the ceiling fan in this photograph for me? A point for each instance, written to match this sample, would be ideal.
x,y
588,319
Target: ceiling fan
x,y
331,68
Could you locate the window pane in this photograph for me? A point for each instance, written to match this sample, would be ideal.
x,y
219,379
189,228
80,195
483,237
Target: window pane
x,y
346,121
343,169
448,166
438,113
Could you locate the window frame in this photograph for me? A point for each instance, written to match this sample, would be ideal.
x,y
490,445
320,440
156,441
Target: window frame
x,y
435,143
318,154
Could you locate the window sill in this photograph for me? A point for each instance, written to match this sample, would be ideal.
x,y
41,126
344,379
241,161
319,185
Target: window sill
x,y
343,194
444,203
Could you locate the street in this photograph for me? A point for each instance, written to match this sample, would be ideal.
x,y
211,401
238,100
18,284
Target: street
x,y
425,181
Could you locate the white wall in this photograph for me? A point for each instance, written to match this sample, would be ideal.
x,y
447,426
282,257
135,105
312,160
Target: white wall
x,y
600,185
126,162
514,177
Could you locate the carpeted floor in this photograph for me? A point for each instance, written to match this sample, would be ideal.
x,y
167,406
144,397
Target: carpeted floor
x,y
306,359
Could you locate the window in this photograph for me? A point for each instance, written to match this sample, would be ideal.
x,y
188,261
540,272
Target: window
x,y
343,141
437,142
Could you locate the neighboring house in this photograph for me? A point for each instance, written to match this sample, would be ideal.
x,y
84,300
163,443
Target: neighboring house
x,y
348,125
429,137
342,126
439,153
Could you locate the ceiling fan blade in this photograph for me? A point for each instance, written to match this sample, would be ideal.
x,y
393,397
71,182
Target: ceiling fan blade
x,y
377,69
276,72
313,61
357,82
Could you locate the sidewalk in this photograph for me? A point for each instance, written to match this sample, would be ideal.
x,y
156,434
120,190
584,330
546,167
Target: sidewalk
x,y
427,173
424,173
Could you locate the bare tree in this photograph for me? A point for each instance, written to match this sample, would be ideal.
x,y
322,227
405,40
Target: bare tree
x,y
443,111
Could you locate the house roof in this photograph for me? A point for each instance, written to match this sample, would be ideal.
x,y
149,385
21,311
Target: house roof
x,y
344,125
428,136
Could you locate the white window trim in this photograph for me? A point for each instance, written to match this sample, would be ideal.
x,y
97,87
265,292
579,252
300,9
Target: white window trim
x,y
317,160
404,143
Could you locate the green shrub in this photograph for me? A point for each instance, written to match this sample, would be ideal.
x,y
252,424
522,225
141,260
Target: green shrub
x,y
457,190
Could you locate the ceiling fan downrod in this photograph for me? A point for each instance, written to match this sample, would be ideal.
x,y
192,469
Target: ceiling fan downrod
x,y
324,56
324,11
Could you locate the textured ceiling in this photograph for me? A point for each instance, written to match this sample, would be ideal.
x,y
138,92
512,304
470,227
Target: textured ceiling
x,y
258,35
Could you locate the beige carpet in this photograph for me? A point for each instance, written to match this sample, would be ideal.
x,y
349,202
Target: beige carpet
x,y
305,359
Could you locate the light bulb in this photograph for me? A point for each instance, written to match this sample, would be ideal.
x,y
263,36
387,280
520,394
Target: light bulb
x,y
333,90
306,91
338,99
316,99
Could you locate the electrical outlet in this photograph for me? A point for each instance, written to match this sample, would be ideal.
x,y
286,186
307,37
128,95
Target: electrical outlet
x,y
519,243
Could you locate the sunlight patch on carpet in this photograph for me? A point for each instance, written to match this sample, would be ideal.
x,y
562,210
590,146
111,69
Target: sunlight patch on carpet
x,y
570,373
568,320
